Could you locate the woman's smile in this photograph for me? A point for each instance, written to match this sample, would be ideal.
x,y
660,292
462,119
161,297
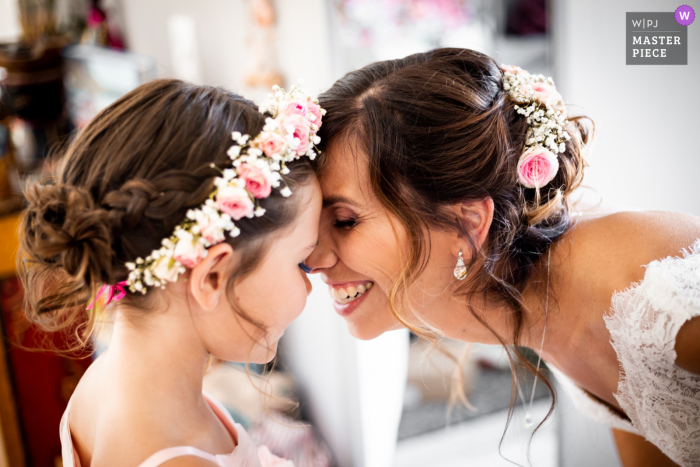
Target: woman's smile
x,y
347,295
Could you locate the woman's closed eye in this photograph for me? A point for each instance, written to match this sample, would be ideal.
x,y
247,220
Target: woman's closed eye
x,y
346,224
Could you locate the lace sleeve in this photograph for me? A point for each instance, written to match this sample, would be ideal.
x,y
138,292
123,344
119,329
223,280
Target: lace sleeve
x,y
661,399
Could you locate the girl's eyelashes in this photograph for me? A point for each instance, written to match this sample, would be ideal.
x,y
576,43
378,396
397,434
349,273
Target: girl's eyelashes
x,y
305,268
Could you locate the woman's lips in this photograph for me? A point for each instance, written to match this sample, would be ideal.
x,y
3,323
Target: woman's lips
x,y
347,296
344,309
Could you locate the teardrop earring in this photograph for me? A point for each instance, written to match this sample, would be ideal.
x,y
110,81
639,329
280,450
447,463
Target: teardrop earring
x,y
460,269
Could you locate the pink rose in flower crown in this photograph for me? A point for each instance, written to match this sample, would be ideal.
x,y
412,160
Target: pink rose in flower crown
x,y
256,182
542,92
537,167
188,252
273,143
296,108
299,128
234,201
315,111
267,459
513,69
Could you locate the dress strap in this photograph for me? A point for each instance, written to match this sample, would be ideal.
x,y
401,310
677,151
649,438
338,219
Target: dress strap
x,y
171,453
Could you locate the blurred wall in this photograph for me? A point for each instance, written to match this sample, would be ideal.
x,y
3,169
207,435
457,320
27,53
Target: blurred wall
x,y
222,31
646,116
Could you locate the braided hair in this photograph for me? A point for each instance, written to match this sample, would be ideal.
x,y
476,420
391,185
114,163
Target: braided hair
x,y
126,181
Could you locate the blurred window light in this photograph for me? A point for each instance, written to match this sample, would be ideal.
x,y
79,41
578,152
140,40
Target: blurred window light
x,y
96,77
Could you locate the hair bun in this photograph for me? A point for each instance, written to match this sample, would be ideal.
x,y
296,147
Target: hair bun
x,y
64,228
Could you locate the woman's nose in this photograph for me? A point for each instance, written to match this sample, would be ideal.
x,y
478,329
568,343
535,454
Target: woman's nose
x,y
323,256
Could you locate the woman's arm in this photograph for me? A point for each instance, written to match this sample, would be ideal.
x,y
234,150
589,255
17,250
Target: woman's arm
x,y
688,346
635,451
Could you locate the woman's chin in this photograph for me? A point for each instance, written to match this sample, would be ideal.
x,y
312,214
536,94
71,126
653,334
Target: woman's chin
x,y
367,331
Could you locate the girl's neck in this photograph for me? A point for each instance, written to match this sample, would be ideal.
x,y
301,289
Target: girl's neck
x,y
158,353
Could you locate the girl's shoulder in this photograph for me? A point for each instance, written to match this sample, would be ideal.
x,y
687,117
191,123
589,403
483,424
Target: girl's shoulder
x,y
111,424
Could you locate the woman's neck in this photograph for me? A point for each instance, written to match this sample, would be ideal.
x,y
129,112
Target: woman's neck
x,y
540,304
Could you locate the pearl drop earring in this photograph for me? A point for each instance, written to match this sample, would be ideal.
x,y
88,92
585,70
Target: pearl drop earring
x,y
460,270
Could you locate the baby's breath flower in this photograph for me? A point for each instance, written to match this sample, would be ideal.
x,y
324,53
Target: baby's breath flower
x,y
206,225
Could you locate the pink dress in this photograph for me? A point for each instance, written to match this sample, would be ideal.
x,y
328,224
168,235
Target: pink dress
x,y
245,454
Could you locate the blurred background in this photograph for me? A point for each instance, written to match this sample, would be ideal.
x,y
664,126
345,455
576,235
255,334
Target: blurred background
x,y
368,404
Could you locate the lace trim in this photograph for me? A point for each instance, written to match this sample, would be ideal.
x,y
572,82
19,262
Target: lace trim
x,y
661,399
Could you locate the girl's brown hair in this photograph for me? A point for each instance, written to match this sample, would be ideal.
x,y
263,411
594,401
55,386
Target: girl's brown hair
x,y
438,129
125,182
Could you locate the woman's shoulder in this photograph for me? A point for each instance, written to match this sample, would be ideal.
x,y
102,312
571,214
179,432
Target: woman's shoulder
x,y
623,243
654,233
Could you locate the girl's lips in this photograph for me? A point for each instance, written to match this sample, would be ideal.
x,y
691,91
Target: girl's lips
x,y
346,309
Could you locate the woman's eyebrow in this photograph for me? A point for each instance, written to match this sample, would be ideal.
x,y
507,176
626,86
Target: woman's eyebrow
x,y
331,200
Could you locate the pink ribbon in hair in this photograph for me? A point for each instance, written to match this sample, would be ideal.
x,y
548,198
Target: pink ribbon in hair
x,y
114,293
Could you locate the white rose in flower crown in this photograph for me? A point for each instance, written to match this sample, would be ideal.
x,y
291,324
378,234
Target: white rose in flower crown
x,y
234,201
188,252
164,271
211,231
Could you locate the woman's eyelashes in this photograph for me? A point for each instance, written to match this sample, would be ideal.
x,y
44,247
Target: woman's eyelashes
x,y
305,268
346,224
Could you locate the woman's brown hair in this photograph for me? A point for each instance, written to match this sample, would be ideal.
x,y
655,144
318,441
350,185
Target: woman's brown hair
x,y
125,182
438,129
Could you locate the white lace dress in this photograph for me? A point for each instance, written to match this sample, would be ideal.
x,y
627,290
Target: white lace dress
x,y
661,400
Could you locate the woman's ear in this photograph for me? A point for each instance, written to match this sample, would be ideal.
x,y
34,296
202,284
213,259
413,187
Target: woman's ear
x,y
208,279
476,218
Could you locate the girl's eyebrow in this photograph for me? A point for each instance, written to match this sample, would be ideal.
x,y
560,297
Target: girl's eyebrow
x,y
331,200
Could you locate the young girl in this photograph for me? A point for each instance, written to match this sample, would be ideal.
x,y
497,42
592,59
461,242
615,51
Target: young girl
x,y
198,244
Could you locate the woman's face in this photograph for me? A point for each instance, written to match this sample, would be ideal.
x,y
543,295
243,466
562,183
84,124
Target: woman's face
x,y
363,247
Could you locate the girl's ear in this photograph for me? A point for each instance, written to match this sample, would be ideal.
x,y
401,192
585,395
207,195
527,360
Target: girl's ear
x,y
476,218
208,279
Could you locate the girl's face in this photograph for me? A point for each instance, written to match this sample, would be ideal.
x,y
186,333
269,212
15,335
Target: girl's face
x,y
362,249
273,295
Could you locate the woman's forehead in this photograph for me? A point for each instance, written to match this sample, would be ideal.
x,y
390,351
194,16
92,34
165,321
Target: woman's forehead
x,y
345,175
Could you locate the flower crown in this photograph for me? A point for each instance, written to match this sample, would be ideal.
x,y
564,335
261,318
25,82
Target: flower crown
x,y
538,100
257,166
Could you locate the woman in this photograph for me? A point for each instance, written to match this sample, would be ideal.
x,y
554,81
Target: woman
x,y
446,210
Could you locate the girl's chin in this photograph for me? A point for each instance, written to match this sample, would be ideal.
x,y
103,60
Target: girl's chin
x,y
263,355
